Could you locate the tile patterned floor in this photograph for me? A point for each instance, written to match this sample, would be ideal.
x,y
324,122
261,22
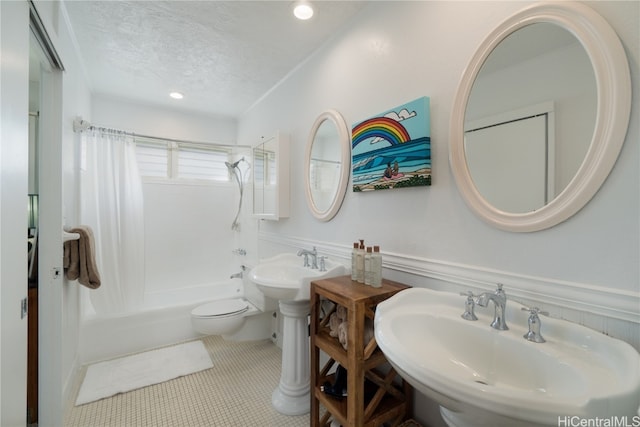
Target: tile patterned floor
x,y
235,392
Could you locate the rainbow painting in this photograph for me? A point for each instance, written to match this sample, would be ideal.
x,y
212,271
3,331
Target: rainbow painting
x,y
393,149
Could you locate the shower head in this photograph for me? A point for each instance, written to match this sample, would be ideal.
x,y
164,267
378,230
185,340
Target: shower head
x,y
234,164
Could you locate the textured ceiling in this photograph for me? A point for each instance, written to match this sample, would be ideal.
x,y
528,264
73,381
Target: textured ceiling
x,y
223,55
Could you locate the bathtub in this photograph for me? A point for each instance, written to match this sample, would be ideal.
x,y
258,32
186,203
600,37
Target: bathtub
x,y
231,288
164,319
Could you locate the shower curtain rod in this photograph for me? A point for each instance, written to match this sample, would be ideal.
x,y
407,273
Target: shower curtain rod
x,y
80,125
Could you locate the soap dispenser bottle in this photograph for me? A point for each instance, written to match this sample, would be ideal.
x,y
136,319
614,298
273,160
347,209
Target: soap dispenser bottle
x,y
367,266
354,261
360,263
376,267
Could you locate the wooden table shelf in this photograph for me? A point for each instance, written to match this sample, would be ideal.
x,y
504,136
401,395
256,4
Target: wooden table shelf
x,y
375,393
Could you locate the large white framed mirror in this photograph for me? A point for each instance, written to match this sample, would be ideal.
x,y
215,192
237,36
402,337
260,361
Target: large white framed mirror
x,y
327,165
553,78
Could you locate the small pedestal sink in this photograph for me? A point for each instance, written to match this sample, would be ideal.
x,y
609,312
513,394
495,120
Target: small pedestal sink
x,y
484,377
284,278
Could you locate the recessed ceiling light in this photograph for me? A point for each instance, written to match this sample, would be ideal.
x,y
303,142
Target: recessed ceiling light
x,y
176,95
302,10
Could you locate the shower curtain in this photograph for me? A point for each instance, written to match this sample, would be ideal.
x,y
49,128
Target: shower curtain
x,y
112,205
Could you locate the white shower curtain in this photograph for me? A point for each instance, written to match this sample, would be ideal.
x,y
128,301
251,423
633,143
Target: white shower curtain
x,y
112,205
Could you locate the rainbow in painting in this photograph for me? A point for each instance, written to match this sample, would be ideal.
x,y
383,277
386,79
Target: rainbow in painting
x,y
393,149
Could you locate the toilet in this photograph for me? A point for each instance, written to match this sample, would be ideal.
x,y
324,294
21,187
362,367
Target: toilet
x,y
221,317
247,317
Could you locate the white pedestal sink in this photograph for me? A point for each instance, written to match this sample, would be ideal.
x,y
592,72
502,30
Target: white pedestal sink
x,y
481,376
284,278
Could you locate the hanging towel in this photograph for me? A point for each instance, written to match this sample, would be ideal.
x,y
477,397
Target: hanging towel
x,y
79,259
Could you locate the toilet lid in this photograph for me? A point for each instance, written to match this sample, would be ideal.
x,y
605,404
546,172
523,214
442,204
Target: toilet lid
x,y
221,308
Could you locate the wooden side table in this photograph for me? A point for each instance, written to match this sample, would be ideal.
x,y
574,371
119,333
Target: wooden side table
x,y
376,394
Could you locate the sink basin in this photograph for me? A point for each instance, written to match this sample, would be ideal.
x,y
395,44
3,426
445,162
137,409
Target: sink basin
x,y
481,376
283,276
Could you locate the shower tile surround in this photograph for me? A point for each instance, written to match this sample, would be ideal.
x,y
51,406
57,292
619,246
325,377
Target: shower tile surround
x,y
235,392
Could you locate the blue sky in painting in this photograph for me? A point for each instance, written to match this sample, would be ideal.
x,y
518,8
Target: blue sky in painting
x,y
413,115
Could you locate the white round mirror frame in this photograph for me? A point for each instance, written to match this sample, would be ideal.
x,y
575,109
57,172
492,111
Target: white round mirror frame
x,y
345,162
613,110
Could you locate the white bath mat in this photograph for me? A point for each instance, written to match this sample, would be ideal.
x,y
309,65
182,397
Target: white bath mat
x,y
128,373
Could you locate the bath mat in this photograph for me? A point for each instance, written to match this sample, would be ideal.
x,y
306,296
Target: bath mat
x,y
105,379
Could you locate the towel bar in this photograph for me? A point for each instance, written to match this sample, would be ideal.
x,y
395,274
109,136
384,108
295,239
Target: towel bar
x,y
66,236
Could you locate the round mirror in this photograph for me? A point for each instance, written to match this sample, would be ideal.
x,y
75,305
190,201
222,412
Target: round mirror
x,y
536,86
327,165
540,116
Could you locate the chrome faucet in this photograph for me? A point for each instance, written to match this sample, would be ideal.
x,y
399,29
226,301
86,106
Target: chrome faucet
x,y
499,299
239,274
314,257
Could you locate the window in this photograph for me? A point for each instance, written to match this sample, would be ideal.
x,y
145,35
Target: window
x,y
153,159
176,160
199,163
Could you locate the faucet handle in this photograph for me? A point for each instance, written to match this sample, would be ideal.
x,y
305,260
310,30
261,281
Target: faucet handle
x,y
469,306
322,266
534,334
534,311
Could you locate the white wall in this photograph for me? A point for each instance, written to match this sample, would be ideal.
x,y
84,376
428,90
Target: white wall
x,y
161,122
76,101
585,269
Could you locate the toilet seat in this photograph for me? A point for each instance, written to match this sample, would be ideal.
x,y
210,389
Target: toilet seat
x,y
221,308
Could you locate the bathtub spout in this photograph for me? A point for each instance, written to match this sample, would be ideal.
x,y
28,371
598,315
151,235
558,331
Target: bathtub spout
x,y
236,275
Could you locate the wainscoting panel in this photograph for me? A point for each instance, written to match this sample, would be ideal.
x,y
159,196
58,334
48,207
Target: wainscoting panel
x,y
611,311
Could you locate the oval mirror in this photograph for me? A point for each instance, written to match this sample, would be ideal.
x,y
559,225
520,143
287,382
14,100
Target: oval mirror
x,y
327,165
540,116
